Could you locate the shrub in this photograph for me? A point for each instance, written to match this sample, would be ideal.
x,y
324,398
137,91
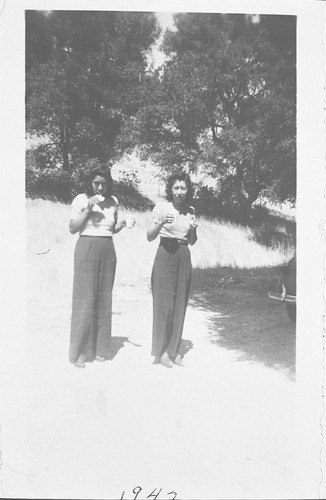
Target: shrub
x,y
210,203
48,184
57,184
130,197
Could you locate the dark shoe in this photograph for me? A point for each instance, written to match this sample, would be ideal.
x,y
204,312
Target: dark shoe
x,y
157,360
178,361
100,358
166,360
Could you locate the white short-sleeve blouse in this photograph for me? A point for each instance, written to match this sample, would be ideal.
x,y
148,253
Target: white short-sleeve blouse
x,y
101,220
180,227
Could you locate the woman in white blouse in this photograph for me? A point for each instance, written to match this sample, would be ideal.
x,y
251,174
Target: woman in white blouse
x,y
174,221
94,215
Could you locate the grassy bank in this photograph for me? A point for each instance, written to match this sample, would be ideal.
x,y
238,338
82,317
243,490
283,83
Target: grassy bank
x,y
50,249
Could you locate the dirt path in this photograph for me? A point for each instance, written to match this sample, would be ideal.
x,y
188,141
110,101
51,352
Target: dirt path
x,y
221,427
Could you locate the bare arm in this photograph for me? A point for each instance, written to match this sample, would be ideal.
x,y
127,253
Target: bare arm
x,y
119,225
129,222
192,235
156,227
77,224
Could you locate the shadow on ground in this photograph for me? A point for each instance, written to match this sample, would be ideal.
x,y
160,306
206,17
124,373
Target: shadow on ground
x,y
241,316
185,347
118,343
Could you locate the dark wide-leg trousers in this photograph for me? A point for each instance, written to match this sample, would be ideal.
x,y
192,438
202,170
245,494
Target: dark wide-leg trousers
x,y
171,278
94,272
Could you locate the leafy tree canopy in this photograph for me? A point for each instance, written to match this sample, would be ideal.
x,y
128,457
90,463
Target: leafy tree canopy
x,y
83,74
225,103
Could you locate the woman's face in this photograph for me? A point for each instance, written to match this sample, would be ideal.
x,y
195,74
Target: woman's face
x,y
179,192
100,185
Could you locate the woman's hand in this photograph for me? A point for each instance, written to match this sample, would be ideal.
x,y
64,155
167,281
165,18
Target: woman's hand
x,y
193,222
119,225
192,235
167,219
156,227
91,202
128,222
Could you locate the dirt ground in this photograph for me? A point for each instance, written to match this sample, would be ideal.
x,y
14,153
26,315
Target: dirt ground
x,y
219,427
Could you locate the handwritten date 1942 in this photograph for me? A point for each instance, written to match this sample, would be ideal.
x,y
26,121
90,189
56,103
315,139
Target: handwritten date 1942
x,y
154,494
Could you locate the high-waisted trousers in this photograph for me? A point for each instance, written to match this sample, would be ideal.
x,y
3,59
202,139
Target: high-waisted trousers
x,y
171,279
94,272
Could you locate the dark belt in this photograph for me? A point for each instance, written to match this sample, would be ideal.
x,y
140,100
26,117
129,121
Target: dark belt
x,y
172,241
92,236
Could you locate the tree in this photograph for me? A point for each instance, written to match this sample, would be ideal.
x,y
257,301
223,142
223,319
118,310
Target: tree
x,y
225,102
83,77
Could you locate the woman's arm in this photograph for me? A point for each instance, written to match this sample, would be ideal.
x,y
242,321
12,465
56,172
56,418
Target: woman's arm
x,y
154,229
77,224
119,225
129,222
156,226
192,234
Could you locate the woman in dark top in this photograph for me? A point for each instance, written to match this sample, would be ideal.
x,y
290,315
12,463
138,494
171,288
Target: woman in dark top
x,y
175,223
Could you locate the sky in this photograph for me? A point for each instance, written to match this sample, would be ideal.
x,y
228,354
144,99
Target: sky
x,y
166,21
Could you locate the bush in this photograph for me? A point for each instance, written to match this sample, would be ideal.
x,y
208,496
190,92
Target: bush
x,y
210,203
49,184
130,197
44,179
57,184
272,230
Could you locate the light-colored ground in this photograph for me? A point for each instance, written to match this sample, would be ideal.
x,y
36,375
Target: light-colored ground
x,y
220,427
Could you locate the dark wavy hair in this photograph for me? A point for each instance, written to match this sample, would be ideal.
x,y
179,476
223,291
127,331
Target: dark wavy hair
x,y
179,176
103,171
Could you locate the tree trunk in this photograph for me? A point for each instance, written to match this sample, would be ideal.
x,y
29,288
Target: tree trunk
x,y
213,133
248,195
248,192
64,144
